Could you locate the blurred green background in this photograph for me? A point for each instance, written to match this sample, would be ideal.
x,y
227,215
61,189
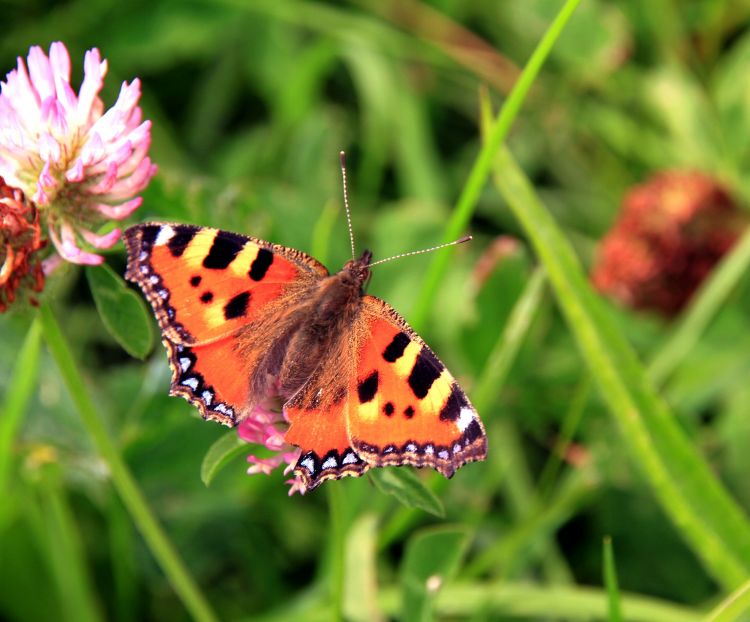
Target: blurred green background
x,y
251,103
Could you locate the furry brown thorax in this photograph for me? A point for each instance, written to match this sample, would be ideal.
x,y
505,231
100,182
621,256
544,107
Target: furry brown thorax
x,y
314,331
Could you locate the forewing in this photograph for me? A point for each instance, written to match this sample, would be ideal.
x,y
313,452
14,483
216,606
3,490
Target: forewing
x,y
205,287
203,284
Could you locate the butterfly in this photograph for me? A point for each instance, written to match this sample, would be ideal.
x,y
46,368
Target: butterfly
x,y
244,320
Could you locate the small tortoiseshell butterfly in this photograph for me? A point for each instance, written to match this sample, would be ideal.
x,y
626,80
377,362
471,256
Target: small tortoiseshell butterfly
x,y
245,320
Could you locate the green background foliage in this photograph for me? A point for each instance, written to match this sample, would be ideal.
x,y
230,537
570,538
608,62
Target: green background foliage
x,y
604,425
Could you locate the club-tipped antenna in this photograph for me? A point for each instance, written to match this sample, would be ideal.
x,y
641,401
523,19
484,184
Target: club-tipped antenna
x,y
342,159
466,238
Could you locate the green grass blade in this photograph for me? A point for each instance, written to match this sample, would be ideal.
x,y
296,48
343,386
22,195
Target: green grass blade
x,y
505,350
136,504
23,383
461,215
570,424
610,582
508,600
733,606
122,552
689,329
690,494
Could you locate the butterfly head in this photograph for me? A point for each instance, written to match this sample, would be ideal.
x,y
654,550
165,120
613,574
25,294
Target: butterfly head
x,y
358,270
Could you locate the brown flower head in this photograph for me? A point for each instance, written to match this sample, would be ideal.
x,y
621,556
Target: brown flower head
x,y
20,239
670,233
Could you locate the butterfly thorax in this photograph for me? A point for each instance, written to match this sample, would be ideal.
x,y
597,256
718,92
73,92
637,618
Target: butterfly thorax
x,y
316,331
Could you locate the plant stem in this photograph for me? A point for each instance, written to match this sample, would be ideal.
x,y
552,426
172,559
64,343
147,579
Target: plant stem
x,y
131,495
337,550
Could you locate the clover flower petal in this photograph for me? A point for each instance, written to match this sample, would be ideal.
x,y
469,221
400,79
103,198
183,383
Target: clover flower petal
x,y
81,165
267,427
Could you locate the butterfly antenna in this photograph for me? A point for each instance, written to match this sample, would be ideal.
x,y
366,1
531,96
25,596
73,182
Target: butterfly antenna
x,y
466,238
342,159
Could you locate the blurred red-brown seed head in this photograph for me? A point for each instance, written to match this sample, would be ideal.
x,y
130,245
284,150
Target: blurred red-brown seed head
x,y
670,233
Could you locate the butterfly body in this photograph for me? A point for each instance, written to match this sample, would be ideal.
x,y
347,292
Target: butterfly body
x,y
308,333
246,322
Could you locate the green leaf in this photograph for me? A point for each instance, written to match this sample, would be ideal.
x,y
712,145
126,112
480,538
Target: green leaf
x,y
403,484
610,581
226,448
432,557
123,312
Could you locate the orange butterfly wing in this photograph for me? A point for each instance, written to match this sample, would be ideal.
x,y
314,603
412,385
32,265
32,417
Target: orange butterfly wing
x,y
204,286
317,417
386,399
404,405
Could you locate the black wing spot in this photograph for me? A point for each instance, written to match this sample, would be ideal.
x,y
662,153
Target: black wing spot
x,y
453,405
368,387
237,306
223,250
180,240
207,297
395,349
409,412
195,280
473,431
149,233
261,264
426,370
388,409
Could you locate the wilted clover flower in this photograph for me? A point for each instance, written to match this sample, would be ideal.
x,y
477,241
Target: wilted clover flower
x,y
669,235
82,166
266,427
20,239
